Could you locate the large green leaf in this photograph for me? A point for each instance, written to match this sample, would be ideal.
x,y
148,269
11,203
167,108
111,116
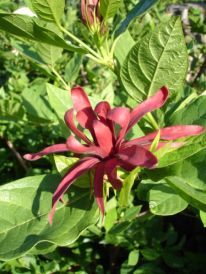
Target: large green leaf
x,y
59,99
108,8
49,54
28,27
174,156
163,200
139,9
25,205
159,59
192,113
195,197
49,10
123,45
41,110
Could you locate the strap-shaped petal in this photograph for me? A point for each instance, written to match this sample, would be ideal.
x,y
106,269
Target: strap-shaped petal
x,y
103,136
98,186
170,133
152,103
111,171
46,151
102,109
75,146
85,117
137,156
80,99
85,114
69,119
77,170
121,116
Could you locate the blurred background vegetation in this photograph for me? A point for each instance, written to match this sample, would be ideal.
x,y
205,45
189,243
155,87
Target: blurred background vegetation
x,y
149,244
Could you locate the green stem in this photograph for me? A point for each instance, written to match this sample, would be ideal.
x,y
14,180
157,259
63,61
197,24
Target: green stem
x,y
80,42
60,78
152,121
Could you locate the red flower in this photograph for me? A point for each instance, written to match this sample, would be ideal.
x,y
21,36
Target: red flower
x,y
109,150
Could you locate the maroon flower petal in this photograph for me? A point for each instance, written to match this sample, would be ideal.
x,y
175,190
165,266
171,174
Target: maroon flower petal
x,y
170,133
98,186
69,119
162,144
85,114
77,170
103,136
80,99
148,105
102,109
121,116
46,151
137,156
111,171
75,146
86,117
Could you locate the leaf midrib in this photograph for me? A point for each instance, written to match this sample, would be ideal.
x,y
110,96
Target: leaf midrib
x,y
156,70
43,214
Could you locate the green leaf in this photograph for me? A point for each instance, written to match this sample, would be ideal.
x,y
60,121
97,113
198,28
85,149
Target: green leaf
x,y
25,205
42,248
173,156
49,54
150,254
49,10
73,67
139,9
133,257
41,110
59,99
193,170
194,197
28,27
63,164
203,217
124,197
192,113
108,8
159,59
164,201
123,45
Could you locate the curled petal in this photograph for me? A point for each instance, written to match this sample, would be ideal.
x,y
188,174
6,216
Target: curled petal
x,y
121,116
137,156
75,146
102,109
77,170
98,186
111,171
80,99
46,151
148,105
170,133
69,120
85,117
103,136
85,114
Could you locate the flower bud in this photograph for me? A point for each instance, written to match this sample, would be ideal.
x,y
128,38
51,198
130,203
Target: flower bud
x,y
90,12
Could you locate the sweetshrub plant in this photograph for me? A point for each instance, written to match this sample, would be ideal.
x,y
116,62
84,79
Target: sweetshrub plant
x,y
141,133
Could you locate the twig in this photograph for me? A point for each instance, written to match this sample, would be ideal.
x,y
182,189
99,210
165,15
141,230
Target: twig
x,y
16,153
